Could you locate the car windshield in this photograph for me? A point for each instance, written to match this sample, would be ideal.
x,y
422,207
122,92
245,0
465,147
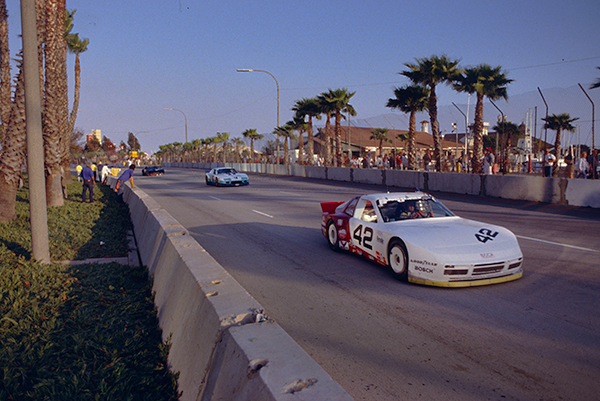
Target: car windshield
x,y
411,208
226,171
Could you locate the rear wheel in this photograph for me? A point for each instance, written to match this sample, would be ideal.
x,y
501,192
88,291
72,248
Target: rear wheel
x,y
332,236
398,259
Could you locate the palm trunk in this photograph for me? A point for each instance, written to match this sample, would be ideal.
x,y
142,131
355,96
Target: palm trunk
x,y
310,144
328,142
53,104
12,153
438,154
8,200
4,67
412,150
338,139
478,136
286,160
300,147
557,141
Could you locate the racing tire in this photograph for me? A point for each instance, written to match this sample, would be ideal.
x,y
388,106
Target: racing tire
x,y
398,260
332,236
207,183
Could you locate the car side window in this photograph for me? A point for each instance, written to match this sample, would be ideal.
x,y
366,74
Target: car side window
x,y
368,213
351,207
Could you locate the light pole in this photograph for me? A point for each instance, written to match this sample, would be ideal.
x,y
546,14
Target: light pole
x,y
184,116
35,144
466,130
276,83
502,128
594,159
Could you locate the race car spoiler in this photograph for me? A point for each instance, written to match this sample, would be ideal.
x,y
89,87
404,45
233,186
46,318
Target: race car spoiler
x,y
329,207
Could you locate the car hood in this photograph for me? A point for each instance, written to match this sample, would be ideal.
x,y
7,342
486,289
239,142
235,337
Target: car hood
x,y
456,236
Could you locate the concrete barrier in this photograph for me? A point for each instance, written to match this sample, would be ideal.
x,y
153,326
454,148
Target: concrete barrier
x,y
316,172
405,179
339,174
583,192
572,192
223,343
452,182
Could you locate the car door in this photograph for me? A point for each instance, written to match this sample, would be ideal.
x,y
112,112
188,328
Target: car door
x,y
365,230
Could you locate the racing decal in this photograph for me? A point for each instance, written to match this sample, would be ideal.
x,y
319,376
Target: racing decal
x,y
363,237
487,255
484,235
423,269
423,262
423,265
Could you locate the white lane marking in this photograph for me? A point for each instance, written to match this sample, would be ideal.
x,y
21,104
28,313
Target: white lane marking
x,y
558,243
214,197
264,214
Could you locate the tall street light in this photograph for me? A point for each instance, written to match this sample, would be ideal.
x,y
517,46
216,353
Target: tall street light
x,y
35,145
594,159
466,130
276,83
184,116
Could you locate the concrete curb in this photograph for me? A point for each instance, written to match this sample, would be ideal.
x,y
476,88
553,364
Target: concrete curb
x,y
222,344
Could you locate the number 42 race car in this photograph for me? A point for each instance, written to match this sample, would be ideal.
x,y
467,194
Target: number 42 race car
x,y
421,240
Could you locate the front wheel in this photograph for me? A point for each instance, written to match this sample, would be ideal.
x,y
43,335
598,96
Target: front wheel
x,y
332,236
398,259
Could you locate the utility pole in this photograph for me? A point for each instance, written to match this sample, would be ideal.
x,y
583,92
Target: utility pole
x,y
35,144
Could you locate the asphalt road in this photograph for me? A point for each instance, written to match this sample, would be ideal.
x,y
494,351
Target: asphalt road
x,y
536,338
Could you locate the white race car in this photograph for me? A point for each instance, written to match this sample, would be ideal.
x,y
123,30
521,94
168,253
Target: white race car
x,y
422,241
226,176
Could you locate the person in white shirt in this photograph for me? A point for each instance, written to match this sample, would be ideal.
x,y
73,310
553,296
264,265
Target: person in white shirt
x,y
582,167
549,160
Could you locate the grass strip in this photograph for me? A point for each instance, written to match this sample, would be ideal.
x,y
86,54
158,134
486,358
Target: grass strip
x,y
84,332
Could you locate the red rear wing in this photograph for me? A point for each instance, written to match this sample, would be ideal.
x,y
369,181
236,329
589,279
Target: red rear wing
x,y
329,207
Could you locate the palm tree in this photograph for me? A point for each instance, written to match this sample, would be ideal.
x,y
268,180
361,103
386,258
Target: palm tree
x,y
12,151
206,142
410,99
326,108
54,122
76,46
298,124
252,134
558,123
303,108
597,83
380,134
238,142
339,102
4,68
431,72
482,80
508,130
223,137
286,131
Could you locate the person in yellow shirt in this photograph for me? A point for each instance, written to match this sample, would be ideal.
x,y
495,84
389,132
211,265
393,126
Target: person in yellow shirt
x,y
95,171
78,169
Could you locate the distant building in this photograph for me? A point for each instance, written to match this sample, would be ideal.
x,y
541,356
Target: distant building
x,y
95,134
360,141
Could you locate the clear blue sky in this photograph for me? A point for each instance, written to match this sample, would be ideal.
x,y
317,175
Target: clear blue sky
x,y
148,55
